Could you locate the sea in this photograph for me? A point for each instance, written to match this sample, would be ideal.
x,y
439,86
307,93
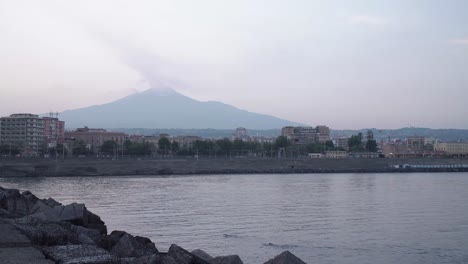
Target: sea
x,y
321,218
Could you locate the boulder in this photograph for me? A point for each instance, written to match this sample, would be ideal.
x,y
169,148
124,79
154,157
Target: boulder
x,y
107,242
182,256
48,233
82,232
76,214
285,258
79,254
203,255
130,246
40,207
51,202
12,201
159,258
231,259
93,221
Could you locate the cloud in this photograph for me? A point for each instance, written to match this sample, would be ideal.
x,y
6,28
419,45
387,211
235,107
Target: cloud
x,y
460,41
370,20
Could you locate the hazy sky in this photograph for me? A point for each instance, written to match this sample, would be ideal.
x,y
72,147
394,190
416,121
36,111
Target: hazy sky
x,y
346,64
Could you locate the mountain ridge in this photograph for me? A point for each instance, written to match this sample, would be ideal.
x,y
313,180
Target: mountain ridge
x,y
168,109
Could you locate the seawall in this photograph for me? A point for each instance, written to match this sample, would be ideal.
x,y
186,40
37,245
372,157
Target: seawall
x,y
94,167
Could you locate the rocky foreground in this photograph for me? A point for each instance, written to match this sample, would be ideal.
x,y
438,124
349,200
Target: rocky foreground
x,y
44,231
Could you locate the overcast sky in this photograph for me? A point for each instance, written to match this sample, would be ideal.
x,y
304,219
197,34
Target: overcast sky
x,y
345,64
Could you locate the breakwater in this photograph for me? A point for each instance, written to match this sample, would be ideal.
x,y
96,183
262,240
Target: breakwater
x,y
45,231
94,167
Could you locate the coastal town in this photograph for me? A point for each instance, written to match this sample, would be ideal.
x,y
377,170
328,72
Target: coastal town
x,y
30,135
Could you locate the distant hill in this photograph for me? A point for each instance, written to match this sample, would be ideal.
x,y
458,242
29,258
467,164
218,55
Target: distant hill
x,y
445,135
168,109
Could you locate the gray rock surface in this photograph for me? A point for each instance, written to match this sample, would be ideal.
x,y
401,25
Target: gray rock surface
x,y
130,246
49,233
202,254
285,258
10,237
23,255
15,248
159,258
182,256
79,254
231,259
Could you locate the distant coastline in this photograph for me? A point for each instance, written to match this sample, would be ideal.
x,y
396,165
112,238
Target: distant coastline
x,y
128,167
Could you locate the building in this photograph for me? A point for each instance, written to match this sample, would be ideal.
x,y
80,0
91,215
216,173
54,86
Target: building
x,y
342,142
241,134
23,131
336,154
94,138
323,134
453,148
415,144
306,135
185,141
54,131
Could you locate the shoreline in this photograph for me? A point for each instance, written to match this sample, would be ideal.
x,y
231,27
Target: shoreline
x,y
44,231
173,167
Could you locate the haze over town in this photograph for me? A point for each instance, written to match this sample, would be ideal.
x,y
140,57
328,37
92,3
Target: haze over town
x,y
345,64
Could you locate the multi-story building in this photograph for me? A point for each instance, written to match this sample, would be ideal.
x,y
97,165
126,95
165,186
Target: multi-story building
x,y
23,131
342,142
452,148
323,133
306,135
185,141
94,138
415,144
241,134
54,130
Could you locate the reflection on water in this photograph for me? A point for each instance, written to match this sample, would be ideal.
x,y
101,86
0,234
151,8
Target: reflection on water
x,y
332,218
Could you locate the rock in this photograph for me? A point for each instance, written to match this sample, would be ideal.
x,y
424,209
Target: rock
x,y
159,258
182,256
130,246
92,234
12,201
94,221
40,207
76,214
78,254
48,234
231,259
285,258
51,202
107,242
30,197
203,255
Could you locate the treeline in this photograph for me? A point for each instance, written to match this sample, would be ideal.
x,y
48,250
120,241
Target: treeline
x,y
221,147
215,148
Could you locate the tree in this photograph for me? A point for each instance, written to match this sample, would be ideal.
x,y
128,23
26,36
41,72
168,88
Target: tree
x,y
371,145
329,144
109,147
314,148
225,145
164,144
79,148
282,142
355,142
174,147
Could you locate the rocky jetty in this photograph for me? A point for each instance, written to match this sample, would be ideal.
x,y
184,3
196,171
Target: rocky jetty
x,y
40,231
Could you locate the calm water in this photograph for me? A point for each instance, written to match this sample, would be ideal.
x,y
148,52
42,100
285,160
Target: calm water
x,y
332,218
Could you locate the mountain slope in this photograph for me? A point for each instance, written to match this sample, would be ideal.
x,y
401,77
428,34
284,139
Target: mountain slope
x,y
167,109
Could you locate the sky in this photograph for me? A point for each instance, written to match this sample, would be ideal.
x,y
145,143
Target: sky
x,y
345,64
